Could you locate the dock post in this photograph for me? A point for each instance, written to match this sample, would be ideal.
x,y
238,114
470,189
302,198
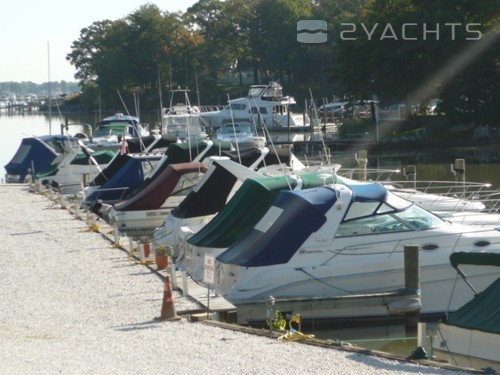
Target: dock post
x,y
362,159
185,290
412,280
410,173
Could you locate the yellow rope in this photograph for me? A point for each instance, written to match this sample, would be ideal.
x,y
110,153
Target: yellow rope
x,y
294,335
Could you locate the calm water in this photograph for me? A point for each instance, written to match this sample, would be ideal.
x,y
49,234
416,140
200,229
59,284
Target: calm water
x,y
481,165
16,127
393,339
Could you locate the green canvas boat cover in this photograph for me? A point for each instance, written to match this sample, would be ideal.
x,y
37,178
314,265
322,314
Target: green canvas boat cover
x,y
100,156
474,258
482,313
246,208
49,172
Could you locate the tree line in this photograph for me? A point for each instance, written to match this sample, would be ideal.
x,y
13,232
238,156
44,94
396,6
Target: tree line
x,y
400,51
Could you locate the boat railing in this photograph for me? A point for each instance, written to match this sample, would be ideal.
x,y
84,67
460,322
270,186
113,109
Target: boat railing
x,y
211,108
370,175
461,191
101,191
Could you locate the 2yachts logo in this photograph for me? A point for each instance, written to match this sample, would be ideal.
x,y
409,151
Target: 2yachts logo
x,y
314,31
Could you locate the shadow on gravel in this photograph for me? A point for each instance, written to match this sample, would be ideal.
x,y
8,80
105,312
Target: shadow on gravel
x,y
138,326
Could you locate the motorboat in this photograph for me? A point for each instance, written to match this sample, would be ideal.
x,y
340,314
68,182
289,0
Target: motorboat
x,y
111,131
147,146
224,177
182,119
241,135
147,208
130,170
340,240
141,169
35,154
247,206
143,212
75,166
471,334
264,106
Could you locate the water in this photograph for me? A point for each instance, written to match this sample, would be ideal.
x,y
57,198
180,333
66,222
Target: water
x,y
21,125
392,339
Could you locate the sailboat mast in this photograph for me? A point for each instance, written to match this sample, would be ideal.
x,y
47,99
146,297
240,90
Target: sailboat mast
x,y
50,95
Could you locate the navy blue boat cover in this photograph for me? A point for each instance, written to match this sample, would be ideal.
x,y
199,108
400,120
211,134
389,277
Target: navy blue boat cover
x,y
303,213
34,152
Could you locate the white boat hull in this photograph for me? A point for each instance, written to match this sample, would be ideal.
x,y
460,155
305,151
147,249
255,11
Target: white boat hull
x,y
139,223
452,341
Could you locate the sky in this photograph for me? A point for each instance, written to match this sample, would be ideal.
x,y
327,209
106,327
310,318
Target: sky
x,y
36,36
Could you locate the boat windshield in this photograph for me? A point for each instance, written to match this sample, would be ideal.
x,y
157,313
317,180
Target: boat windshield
x,y
393,215
238,129
236,107
115,129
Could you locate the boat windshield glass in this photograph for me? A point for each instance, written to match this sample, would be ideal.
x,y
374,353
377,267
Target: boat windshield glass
x,y
238,129
393,215
255,91
105,131
237,107
186,183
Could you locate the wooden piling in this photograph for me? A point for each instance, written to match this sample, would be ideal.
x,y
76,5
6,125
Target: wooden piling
x,y
412,280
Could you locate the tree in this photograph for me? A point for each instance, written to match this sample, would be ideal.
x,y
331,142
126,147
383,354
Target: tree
x,y
412,51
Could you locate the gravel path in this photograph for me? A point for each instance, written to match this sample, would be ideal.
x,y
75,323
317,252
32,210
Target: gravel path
x,y
71,303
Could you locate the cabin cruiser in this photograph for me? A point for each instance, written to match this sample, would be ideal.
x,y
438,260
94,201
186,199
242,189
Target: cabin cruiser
x,y
73,167
264,106
246,208
183,120
111,131
35,154
241,135
143,212
340,240
224,177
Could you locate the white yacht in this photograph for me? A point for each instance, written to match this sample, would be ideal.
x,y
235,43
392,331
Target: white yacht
x,y
264,106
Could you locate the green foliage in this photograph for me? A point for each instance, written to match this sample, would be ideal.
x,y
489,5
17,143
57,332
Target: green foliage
x,y
150,51
278,322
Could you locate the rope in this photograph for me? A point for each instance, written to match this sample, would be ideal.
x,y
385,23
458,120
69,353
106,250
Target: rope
x,y
294,335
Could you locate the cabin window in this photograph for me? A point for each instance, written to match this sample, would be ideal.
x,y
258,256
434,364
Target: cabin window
x,y
238,106
186,183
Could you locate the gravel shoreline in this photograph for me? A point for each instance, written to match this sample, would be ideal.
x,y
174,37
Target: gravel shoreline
x,y
72,303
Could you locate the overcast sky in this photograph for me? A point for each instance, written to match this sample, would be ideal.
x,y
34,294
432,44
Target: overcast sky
x,y
32,32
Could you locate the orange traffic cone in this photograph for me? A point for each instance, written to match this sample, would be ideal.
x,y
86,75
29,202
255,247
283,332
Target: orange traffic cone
x,y
168,307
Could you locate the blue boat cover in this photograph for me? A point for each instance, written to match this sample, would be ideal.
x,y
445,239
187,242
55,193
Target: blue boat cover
x,y
303,212
130,175
368,192
35,152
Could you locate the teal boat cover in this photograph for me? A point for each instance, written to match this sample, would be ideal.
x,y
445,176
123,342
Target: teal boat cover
x,y
482,313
